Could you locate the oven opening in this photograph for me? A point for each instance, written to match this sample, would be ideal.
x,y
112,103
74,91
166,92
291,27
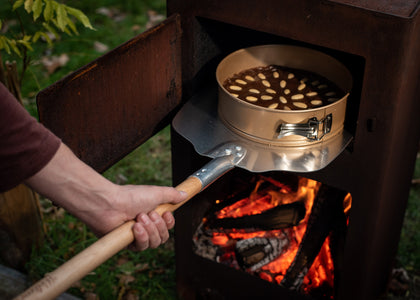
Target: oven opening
x,y
287,230
216,45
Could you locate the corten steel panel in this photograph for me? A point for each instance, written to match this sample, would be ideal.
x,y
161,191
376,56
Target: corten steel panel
x,y
378,168
110,106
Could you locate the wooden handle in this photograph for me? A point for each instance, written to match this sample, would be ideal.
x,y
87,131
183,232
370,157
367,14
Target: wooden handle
x,y
59,280
192,186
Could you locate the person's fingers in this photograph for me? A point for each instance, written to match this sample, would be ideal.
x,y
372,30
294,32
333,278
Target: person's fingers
x,y
152,231
161,227
139,202
141,237
169,219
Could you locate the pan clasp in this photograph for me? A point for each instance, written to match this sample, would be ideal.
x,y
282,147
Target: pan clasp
x,y
313,130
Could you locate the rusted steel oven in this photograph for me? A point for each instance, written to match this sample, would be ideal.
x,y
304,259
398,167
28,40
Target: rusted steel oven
x,y
109,107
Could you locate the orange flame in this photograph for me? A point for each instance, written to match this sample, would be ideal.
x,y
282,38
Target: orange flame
x,y
322,271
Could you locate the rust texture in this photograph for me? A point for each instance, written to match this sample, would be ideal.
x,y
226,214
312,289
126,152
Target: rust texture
x,y
106,109
110,106
379,42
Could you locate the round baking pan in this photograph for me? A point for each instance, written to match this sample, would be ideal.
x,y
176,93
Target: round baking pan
x,y
283,127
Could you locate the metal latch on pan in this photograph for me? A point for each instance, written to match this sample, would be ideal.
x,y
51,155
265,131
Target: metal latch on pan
x,y
313,130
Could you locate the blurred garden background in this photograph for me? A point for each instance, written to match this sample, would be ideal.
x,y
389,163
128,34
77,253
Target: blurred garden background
x,y
149,274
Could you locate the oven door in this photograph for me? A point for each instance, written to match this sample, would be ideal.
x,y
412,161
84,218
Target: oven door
x,y
109,107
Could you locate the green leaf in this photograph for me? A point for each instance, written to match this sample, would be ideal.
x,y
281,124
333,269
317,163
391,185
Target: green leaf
x,y
61,17
8,45
72,26
29,5
48,11
37,9
26,44
38,34
80,16
54,4
17,4
26,38
50,29
3,44
47,38
66,30
12,44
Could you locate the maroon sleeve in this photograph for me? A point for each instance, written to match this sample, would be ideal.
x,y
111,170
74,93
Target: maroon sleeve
x,y
26,146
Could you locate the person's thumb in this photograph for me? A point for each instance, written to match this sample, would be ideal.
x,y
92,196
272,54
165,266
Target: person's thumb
x,y
173,196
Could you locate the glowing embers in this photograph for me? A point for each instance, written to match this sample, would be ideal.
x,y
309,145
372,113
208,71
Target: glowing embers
x,y
281,232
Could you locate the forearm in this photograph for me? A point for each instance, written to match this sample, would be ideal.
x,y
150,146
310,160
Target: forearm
x,y
73,185
103,205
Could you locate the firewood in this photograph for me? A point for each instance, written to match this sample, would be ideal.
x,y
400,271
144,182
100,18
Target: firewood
x,y
254,253
278,217
327,203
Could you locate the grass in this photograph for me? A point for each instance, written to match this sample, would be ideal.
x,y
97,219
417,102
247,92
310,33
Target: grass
x,y
150,164
149,274
409,246
146,275
128,18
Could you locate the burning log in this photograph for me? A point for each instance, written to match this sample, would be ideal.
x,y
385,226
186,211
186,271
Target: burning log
x,y
328,204
263,187
278,217
254,253
252,233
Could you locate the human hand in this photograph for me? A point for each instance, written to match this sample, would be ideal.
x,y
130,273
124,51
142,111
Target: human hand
x,y
103,205
137,202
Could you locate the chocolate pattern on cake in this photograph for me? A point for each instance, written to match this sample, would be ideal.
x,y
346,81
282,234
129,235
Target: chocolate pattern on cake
x,y
283,88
